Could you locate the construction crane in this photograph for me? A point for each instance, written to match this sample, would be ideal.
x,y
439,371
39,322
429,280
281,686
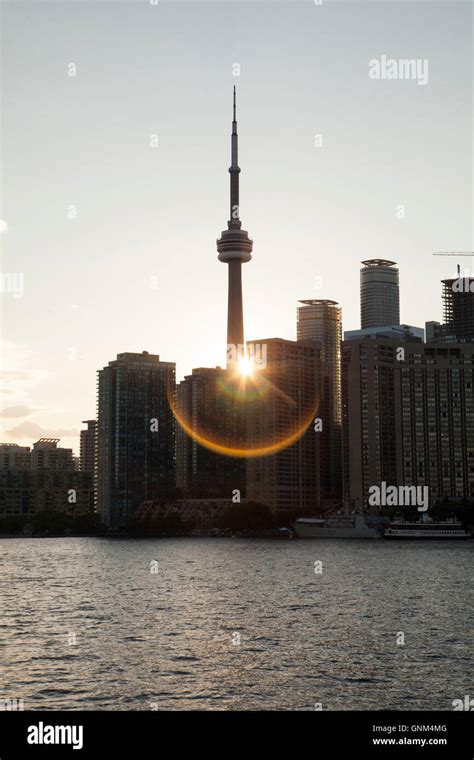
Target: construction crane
x,y
454,253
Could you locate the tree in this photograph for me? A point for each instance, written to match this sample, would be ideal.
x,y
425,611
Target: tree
x,y
51,521
247,516
88,524
12,524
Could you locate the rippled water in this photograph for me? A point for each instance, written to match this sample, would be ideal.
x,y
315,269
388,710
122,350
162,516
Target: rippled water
x,y
168,640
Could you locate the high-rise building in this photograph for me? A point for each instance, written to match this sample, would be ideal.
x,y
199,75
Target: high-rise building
x,y
372,438
399,332
87,446
234,248
40,480
437,400
217,417
320,321
408,417
433,331
47,455
24,493
135,434
14,457
379,293
284,410
458,308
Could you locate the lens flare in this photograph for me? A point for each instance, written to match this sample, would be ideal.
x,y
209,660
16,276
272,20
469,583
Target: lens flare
x,y
235,394
245,366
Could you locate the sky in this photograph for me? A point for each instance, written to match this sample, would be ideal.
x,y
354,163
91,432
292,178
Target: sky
x,y
116,120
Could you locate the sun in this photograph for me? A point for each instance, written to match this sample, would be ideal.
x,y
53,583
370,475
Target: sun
x,y
244,366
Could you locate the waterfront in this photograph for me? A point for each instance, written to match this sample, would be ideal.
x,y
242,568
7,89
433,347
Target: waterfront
x,y
169,639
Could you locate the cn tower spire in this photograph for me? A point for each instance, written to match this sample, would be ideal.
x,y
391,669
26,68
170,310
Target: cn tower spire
x,y
234,248
234,221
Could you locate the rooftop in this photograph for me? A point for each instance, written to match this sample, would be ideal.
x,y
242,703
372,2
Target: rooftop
x,y
379,263
317,301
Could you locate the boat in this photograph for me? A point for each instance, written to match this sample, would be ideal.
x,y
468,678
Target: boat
x,y
448,530
340,526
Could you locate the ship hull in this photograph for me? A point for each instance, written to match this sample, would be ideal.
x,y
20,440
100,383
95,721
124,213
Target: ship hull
x,y
433,537
335,533
306,528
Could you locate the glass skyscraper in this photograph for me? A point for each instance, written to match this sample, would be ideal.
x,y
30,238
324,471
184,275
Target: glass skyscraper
x,y
135,435
379,293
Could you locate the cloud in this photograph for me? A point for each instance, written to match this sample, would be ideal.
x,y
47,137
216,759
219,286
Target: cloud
x,y
17,411
19,375
29,429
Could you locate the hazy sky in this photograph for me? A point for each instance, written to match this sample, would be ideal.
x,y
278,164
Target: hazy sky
x,y
137,268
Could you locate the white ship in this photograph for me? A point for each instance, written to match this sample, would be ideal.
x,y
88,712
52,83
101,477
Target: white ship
x,y
341,526
450,530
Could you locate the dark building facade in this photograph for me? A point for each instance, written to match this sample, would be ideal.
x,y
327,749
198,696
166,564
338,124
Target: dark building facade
x,y
25,493
458,309
135,435
287,481
372,436
42,479
320,321
87,446
408,417
14,457
216,416
47,455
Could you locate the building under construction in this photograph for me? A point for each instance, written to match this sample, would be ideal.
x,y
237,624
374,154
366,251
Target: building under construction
x,y
458,309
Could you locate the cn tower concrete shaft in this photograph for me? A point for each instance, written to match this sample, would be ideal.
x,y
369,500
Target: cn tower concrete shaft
x,y
235,314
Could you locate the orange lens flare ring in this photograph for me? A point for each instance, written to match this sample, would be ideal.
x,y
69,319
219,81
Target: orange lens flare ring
x,y
223,448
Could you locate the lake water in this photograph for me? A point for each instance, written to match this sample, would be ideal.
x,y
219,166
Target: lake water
x,y
170,639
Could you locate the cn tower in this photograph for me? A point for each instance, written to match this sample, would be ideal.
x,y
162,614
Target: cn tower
x,y
235,248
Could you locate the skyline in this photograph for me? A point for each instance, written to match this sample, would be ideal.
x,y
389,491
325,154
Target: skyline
x,y
156,213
